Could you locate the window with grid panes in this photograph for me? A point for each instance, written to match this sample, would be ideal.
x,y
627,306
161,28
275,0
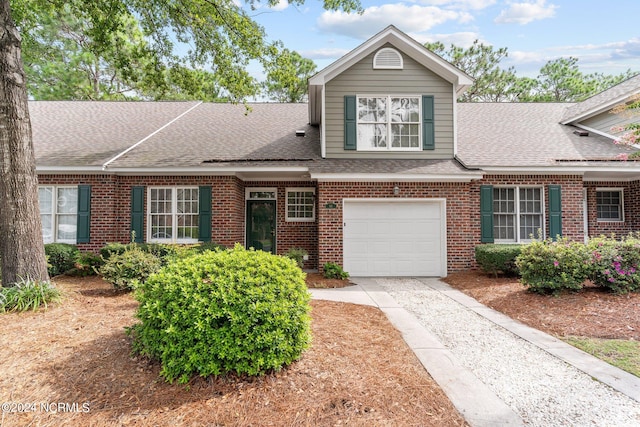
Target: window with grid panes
x,y
58,213
389,123
609,205
301,205
517,213
173,214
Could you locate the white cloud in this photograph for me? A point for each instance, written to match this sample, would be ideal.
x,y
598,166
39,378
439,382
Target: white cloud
x,y
459,4
324,53
282,5
412,18
524,13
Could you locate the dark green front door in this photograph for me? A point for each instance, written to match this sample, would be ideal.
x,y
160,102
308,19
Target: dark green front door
x,y
261,225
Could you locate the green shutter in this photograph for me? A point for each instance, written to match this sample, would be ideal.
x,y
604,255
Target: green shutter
x,y
428,129
137,213
83,233
555,211
486,213
204,214
350,123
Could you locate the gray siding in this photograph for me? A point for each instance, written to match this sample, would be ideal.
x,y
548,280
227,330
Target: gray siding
x,y
605,121
414,79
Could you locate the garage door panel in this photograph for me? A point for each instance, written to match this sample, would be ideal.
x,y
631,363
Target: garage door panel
x,y
393,238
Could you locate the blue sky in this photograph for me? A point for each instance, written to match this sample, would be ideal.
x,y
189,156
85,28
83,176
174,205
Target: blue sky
x,y
603,35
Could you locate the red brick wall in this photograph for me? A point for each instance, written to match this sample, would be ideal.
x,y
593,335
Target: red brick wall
x,y
463,211
462,215
292,234
631,191
111,209
111,199
572,209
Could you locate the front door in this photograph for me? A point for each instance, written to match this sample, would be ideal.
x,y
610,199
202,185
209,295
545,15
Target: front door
x,y
261,225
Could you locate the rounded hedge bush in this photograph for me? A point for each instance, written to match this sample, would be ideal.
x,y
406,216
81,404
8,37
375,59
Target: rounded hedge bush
x,y
237,310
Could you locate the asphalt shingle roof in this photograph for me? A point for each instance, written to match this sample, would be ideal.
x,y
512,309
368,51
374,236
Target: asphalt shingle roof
x,y
79,133
524,134
603,100
226,136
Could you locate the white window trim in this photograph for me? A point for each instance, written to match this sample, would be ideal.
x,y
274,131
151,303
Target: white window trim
x,y
517,213
54,213
250,190
174,214
389,148
286,208
621,191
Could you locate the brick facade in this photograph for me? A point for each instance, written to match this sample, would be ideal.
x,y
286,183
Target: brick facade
x,y
322,238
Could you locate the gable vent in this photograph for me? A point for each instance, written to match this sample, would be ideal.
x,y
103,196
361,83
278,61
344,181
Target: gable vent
x,y
387,59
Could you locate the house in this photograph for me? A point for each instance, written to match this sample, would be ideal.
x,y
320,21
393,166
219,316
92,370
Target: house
x,y
382,171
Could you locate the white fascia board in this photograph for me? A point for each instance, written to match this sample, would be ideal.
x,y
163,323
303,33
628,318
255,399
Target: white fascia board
x,y
71,170
206,170
557,170
323,127
392,177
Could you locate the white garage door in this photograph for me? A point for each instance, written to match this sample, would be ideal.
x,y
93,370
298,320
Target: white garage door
x,y
394,238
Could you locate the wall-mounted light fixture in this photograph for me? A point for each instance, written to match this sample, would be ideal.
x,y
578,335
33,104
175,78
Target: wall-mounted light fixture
x,y
396,190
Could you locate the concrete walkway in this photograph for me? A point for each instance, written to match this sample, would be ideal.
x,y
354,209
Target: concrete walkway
x,y
473,398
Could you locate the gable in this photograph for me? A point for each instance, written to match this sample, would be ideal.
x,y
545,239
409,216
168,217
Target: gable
x,y
390,36
413,80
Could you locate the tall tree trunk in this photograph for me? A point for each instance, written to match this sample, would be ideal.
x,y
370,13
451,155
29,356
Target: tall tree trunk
x,y
21,244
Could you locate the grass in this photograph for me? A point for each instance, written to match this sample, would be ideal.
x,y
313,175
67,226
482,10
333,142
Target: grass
x,y
624,354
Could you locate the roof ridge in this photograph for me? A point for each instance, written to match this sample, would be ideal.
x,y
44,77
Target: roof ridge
x,y
169,123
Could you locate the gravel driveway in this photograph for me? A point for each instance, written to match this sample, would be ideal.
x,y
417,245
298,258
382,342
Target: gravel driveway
x,y
542,389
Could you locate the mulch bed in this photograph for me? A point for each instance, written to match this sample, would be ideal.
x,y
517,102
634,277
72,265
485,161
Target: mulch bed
x,y
358,372
591,312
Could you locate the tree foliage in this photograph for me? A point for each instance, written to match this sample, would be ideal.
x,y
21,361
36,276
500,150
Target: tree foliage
x,y
559,80
287,77
223,39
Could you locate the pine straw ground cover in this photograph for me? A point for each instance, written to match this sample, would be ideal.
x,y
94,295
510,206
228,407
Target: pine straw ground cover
x,y
358,372
591,312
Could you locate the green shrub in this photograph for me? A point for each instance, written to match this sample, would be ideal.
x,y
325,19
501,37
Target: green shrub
x,y
86,264
62,257
551,267
496,258
112,249
236,310
130,268
297,254
208,246
615,264
28,294
331,270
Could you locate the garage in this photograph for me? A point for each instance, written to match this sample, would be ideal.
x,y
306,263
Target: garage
x,y
395,238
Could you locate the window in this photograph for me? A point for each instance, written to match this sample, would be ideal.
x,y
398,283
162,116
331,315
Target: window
x,y
301,204
609,203
517,213
389,123
173,214
58,213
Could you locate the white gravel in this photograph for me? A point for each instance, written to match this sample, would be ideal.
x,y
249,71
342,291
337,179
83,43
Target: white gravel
x,y
542,389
